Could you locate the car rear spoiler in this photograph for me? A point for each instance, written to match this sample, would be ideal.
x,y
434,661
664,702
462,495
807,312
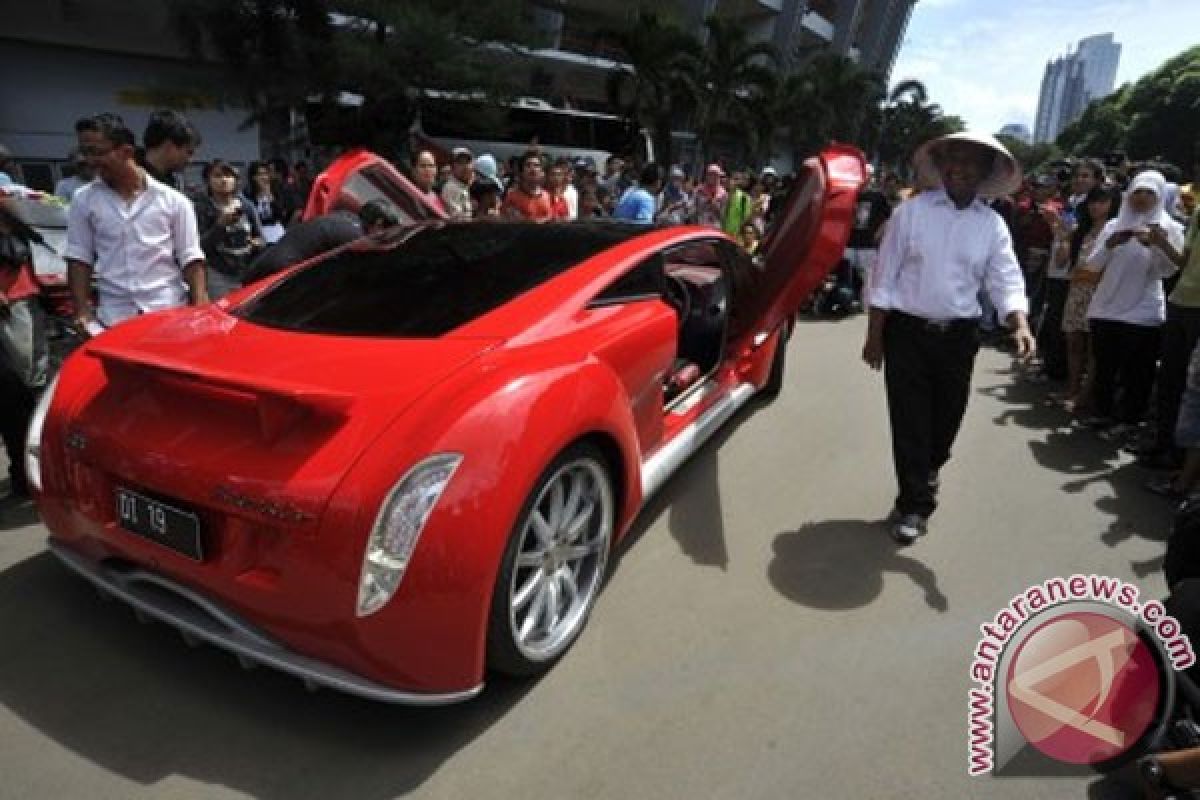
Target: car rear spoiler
x,y
279,405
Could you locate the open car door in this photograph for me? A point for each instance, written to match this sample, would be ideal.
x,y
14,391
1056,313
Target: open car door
x,y
359,177
804,244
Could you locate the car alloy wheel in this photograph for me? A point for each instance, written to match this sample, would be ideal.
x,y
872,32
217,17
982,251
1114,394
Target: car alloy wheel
x,y
555,563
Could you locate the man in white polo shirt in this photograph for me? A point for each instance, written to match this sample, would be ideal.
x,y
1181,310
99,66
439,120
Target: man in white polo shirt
x,y
136,236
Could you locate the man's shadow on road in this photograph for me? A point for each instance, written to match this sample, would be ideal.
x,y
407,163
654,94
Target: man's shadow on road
x,y
838,565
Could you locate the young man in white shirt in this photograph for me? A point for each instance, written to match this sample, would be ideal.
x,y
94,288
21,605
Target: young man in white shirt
x,y
456,193
939,249
136,236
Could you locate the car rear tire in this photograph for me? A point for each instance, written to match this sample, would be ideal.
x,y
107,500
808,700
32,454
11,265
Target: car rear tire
x,y
553,565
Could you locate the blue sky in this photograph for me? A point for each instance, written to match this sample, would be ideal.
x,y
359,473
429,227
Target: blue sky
x,y
983,59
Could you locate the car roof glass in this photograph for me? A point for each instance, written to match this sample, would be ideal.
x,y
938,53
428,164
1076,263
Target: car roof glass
x,y
426,283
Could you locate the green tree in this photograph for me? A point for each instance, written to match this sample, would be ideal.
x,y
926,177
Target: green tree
x,y
281,53
660,84
1100,129
1030,156
731,72
1154,118
907,121
832,98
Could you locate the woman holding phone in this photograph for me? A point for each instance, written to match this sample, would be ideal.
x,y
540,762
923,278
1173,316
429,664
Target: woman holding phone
x,y
1128,308
230,231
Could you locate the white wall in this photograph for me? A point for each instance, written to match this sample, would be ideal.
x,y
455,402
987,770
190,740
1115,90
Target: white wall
x,y
48,86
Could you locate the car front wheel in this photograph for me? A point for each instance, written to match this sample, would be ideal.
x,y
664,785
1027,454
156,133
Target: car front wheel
x,y
553,565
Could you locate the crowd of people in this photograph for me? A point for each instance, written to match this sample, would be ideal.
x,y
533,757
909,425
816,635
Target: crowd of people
x,y
1112,290
534,187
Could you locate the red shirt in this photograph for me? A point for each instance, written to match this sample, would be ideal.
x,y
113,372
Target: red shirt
x,y
558,204
538,207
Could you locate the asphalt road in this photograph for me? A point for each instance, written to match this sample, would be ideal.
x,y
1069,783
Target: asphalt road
x,y
761,636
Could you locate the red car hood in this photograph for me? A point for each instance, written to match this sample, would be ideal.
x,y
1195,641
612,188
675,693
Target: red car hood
x,y
203,407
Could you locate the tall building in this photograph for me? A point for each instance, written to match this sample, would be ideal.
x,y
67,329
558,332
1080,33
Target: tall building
x,y
1073,81
1018,131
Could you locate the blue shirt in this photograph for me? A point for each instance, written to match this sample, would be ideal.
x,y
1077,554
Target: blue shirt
x,y
637,205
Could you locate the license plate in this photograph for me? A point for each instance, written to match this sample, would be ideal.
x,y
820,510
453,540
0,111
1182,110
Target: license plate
x,y
169,526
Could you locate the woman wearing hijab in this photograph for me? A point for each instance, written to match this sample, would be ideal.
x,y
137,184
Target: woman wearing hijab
x,y
1128,308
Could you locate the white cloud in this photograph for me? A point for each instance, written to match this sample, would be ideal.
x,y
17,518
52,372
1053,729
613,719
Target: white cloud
x,y
983,60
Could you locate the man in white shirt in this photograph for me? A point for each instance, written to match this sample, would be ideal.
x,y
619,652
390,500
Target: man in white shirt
x,y
939,249
456,193
137,237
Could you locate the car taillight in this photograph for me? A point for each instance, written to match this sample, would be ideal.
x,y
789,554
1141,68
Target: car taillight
x,y
397,528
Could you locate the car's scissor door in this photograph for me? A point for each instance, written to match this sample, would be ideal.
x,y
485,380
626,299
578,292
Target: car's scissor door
x,y
804,243
359,177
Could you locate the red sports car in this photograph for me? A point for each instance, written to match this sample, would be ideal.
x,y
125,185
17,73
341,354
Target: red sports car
x,y
391,468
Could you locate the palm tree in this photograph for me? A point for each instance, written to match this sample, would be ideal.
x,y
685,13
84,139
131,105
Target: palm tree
x,y
907,121
659,82
910,90
832,98
731,72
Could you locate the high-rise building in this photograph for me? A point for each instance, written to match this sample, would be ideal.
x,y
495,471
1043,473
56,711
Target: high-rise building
x,y
1073,81
1017,130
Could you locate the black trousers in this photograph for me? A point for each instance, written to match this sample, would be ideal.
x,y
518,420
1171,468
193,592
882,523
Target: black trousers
x,y
16,407
1051,342
1127,354
927,370
1179,337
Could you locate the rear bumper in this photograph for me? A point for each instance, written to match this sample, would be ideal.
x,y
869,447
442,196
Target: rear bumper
x,y
199,618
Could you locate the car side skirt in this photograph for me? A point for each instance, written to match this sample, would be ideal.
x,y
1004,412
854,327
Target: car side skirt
x,y
199,619
668,458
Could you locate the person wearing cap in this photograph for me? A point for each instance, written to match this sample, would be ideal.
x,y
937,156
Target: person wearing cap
x,y
456,193
939,249
487,170
132,237
710,198
230,229
674,200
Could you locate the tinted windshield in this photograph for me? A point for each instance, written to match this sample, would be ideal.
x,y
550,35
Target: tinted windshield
x,y
435,280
